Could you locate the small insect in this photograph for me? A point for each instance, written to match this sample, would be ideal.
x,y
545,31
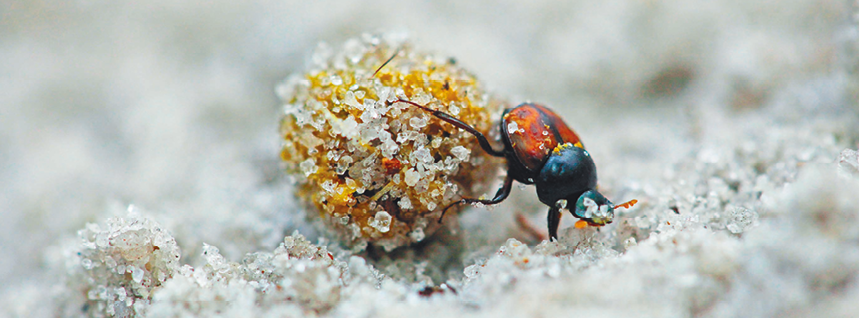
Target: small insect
x,y
542,150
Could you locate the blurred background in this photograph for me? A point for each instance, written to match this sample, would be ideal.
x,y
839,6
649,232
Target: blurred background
x,y
171,106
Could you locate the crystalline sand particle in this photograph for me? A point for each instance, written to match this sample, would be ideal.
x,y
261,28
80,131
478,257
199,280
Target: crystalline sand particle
x,y
423,155
741,219
407,135
137,274
418,122
629,242
333,155
350,100
512,126
329,186
349,127
308,167
343,165
422,98
343,220
848,160
87,263
109,262
460,152
384,93
120,294
381,222
389,147
101,240
453,109
418,234
405,203
371,113
368,133
411,177
436,142
472,271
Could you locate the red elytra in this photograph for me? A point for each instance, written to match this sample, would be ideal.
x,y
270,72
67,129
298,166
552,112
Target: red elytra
x,y
538,132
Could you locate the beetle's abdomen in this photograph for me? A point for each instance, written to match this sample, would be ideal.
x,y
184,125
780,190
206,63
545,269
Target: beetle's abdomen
x,y
534,131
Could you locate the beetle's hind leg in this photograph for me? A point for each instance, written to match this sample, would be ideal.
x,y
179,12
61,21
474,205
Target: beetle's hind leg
x,y
481,139
530,229
500,195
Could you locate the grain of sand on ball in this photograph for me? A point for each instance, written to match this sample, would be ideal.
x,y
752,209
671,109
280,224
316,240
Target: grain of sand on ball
x,y
375,170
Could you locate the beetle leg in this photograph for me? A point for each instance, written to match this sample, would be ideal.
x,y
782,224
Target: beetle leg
x,y
501,195
481,139
554,219
530,229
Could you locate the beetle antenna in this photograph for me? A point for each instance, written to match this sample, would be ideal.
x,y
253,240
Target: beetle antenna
x,y
627,204
397,52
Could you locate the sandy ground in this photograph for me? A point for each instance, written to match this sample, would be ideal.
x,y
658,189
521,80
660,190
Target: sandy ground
x,y
733,122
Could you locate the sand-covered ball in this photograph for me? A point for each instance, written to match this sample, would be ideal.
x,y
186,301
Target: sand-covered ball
x,y
376,170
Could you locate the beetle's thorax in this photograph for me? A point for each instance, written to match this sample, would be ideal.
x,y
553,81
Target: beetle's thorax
x,y
568,172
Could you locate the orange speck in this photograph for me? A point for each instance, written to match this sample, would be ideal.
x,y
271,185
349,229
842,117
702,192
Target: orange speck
x,y
392,165
580,224
386,77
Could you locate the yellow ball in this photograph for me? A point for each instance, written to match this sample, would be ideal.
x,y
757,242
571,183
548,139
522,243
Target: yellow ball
x,y
376,170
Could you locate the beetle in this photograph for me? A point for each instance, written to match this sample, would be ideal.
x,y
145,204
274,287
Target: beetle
x,y
541,149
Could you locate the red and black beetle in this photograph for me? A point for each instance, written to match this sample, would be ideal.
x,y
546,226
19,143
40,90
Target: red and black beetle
x,y
542,150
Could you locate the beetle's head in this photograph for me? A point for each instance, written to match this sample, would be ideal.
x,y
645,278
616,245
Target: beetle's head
x,y
594,208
